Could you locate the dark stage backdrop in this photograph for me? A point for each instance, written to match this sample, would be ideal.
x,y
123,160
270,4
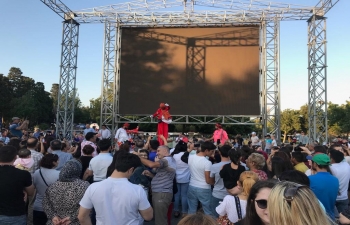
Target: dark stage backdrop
x,y
198,71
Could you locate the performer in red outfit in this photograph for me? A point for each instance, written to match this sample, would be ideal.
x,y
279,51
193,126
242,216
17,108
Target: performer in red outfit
x,y
164,118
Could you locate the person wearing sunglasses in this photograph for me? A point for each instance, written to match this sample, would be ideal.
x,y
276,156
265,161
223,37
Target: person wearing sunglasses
x,y
256,211
288,199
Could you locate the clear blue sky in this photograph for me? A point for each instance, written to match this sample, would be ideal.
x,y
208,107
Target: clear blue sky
x,y
31,36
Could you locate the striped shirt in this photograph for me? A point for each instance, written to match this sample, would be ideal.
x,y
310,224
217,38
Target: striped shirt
x,y
164,178
36,156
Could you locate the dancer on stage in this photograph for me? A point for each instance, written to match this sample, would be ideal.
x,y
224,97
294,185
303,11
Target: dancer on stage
x,y
164,118
220,136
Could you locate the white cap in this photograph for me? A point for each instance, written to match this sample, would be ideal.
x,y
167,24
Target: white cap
x,y
253,133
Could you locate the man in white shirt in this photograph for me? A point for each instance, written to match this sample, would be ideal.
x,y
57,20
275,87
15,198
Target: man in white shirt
x,y
115,199
200,188
98,165
121,136
341,170
255,140
104,133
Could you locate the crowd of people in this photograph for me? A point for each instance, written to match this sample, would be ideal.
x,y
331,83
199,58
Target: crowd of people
x,y
215,180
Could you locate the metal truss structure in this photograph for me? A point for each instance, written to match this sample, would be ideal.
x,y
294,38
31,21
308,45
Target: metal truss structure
x,y
317,68
270,78
190,13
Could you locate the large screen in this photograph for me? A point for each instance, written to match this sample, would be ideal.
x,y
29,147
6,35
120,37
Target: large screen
x,y
197,71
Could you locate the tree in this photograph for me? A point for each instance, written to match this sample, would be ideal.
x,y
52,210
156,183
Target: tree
x,y
290,122
54,96
339,118
95,109
20,84
6,97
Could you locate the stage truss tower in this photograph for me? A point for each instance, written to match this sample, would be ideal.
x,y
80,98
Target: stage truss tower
x,y
155,13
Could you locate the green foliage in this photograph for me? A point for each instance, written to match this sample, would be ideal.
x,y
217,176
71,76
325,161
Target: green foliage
x,y
339,118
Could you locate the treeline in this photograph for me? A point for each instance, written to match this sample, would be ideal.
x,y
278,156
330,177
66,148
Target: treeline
x,y
22,96
295,120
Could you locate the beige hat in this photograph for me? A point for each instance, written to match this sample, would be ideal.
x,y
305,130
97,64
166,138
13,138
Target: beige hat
x,y
15,118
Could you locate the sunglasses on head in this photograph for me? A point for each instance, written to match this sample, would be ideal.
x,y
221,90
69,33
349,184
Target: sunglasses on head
x,y
290,192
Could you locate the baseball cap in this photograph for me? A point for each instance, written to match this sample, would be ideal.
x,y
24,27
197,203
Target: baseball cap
x,y
253,133
321,159
126,124
15,118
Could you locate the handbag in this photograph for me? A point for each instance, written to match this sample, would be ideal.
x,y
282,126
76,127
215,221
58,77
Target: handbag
x,y
225,221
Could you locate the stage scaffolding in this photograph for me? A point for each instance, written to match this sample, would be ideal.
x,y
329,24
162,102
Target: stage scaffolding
x,y
188,13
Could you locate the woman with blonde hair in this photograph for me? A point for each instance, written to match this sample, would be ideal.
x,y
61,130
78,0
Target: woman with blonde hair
x,y
255,163
295,204
234,207
197,219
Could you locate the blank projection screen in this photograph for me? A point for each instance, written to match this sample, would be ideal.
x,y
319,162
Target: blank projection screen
x,y
197,71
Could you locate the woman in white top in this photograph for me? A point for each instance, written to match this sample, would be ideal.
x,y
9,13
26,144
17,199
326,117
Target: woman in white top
x,y
182,179
43,177
229,205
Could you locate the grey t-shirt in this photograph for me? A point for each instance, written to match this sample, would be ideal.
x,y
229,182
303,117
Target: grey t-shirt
x,y
164,179
219,190
50,176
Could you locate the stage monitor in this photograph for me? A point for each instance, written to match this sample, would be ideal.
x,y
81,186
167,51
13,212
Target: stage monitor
x,y
198,71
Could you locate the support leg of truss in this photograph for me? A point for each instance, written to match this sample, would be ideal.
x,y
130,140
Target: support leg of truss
x,y
317,78
68,70
270,83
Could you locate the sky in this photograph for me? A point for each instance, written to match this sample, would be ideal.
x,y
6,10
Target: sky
x,y
31,36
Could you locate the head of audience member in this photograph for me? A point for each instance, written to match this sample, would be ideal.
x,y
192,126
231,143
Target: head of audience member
x,y
295,176
256,211
197,219
70,171
4,132
56,145
297,157
126,163
125,147
163,151
336,156
15,142
32,143
88,150
49,161
246,151
320,149
253,134
91,136
207,148
225,150
279,165
139,144
181,146
246,181
255,161
8,154
24,153
87,126
283,155
144,153
321,162
104,145
292,203
154,144
235,156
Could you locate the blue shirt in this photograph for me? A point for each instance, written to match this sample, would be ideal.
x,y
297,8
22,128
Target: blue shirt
x,y
89,130
15,132
63,157
325,187
152,155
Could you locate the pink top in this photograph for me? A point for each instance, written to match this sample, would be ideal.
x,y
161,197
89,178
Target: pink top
x,y
27,163
220,134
